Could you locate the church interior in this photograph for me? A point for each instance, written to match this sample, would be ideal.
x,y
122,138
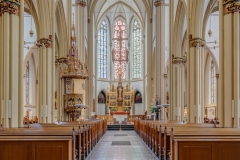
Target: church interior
x,y
95,79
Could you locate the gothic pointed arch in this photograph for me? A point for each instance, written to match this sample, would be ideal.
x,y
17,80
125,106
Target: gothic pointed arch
x,y
101,97
138,97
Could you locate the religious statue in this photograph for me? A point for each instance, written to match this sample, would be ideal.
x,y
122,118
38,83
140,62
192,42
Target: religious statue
x,y
120,90
156,100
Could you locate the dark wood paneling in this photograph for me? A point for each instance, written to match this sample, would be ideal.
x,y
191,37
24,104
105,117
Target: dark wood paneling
x,y
227,150
15,150
196,150
35,150
50,150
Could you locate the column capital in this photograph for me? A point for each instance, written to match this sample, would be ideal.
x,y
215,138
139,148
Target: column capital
x,y
81,3
231,6
158,3
178,60
196,42
46,42
10,6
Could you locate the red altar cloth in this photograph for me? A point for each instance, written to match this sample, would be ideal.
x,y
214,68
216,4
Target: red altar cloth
x,y
119,113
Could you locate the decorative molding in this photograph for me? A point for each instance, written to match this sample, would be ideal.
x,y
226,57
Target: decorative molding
x,y
217,76
46,42
158,3
81,3
61,60
196,42
178,60
165,76
231,6
10,6
71,66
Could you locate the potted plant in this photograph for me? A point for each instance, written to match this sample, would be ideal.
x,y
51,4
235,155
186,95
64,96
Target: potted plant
x,y
152,109
126,109
113,109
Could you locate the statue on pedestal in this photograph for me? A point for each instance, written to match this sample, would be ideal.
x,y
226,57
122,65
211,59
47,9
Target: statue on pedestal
x,y
120,91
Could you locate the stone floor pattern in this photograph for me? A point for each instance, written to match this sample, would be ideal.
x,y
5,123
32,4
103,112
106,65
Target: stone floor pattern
x,y
136,151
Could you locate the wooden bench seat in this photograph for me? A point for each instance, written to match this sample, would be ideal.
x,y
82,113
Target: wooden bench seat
x,y
172,144
79,137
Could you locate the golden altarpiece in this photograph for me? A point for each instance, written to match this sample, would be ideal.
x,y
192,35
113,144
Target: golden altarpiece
x,y
120,98
74,72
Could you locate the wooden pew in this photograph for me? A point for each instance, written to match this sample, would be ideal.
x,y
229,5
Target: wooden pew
x,y
36,144
189,132
85,134
92,133
153,134
205,143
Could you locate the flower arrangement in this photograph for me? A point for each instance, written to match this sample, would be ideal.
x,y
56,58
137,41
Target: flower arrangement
x,y
113,109
152,109
126,109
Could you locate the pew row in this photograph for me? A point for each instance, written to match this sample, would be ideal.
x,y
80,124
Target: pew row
x,y
66,141
168,143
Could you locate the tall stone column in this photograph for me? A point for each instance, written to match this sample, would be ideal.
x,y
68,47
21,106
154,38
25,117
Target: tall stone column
x,y
195,80
45,76
46,61
11,57
177,72
175,92
160,51
217,94
80,29
58,85
53,87
229,80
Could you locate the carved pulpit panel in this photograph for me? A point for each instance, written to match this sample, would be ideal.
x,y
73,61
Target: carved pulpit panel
x,y
68,85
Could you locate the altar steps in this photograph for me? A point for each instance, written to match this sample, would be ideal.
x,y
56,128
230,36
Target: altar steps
x,y
116,127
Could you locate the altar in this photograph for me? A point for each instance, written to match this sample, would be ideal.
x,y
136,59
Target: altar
x,y
120,98
120,118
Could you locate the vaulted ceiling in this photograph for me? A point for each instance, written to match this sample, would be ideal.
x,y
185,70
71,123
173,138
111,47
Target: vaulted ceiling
x,y
120,8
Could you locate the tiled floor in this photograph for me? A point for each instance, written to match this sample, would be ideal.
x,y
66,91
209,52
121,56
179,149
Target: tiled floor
x,y
136,151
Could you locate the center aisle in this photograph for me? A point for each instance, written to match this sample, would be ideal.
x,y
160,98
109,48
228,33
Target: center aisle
x,y
121,145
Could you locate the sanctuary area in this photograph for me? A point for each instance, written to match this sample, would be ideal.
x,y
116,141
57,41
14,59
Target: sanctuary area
x,y
119,79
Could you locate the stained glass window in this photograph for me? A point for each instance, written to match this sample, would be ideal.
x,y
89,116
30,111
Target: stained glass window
x,y
102,50
212,83
136,44
120,52
27,83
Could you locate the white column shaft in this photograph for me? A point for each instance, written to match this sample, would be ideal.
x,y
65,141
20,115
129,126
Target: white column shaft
x,y
6,51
